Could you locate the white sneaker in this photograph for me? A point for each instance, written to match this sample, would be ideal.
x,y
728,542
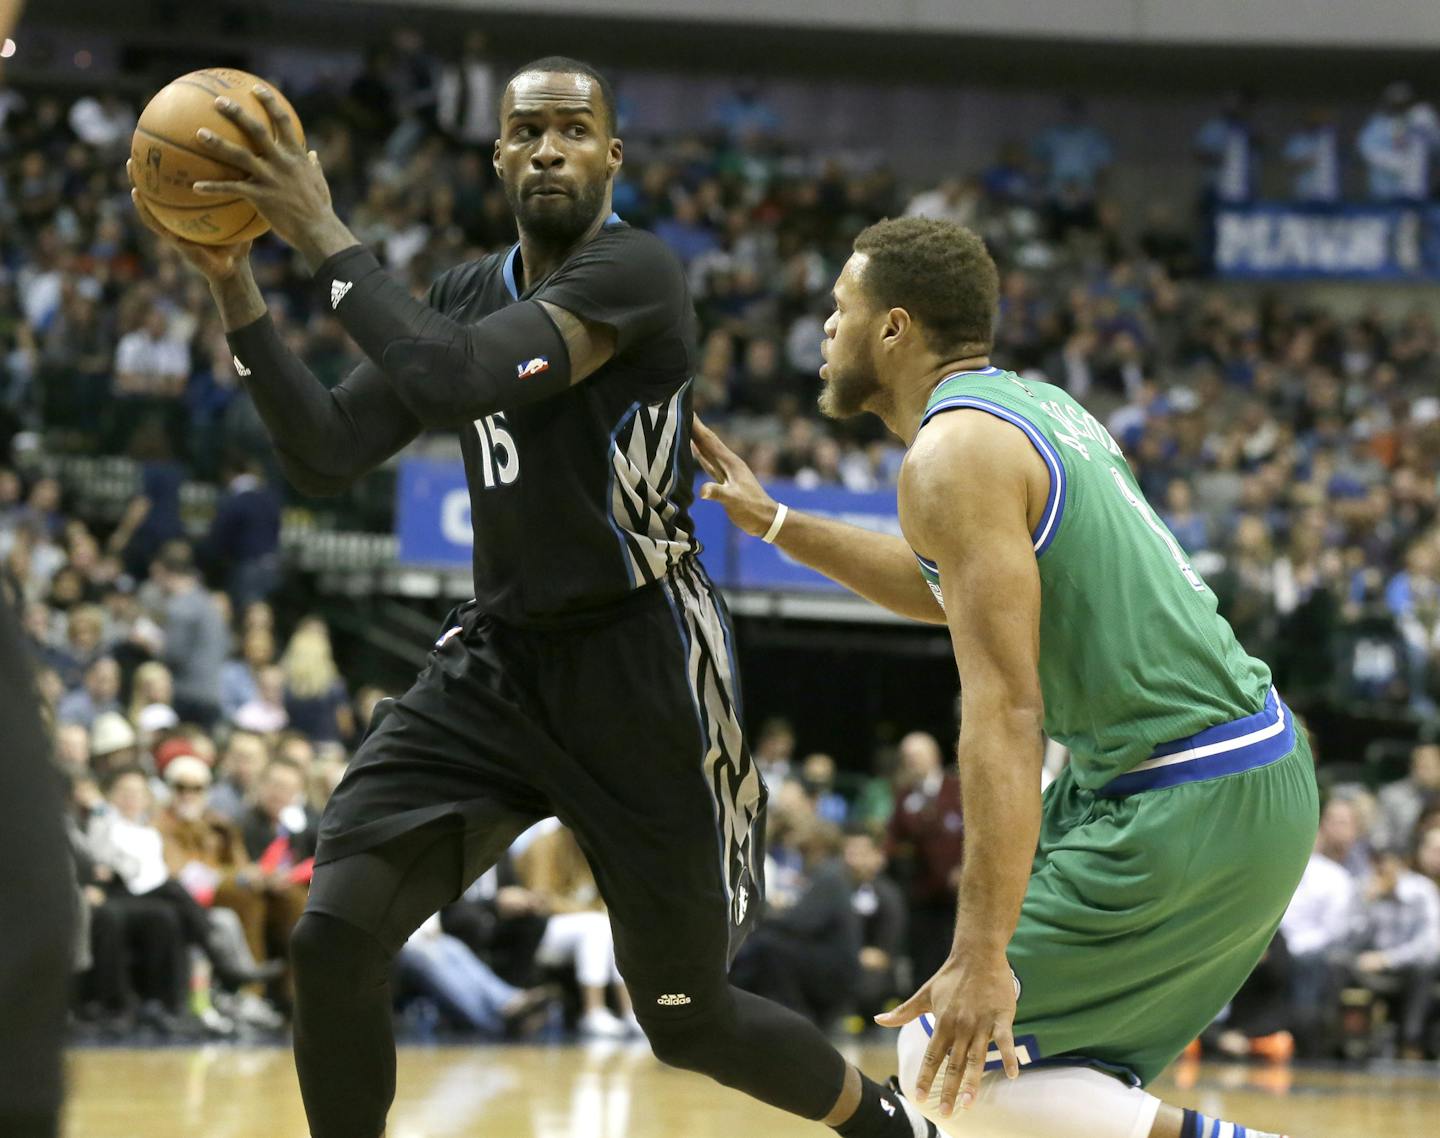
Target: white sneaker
x,y
602,1023
258,1012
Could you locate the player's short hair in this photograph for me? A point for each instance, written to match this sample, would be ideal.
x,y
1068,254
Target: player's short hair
x,y
565,65
939,272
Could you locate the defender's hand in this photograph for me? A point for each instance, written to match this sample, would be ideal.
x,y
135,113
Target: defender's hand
x,y
216,262
735,486
285,181
973,1000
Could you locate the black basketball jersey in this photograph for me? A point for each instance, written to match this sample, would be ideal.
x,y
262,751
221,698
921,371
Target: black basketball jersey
x,y
579,499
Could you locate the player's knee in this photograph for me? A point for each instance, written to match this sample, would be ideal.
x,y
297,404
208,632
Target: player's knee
x,y
698,1041
326,951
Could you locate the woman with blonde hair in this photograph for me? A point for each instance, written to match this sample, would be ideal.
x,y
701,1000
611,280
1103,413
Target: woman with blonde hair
x,y
315,696
152,684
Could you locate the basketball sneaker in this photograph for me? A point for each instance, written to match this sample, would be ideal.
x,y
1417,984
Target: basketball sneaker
x,y
922,1126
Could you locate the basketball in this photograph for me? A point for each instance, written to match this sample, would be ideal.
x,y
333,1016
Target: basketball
x,y
169,159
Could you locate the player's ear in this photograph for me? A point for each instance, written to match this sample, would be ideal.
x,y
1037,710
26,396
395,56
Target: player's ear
x,y
616,158
896,324
495,160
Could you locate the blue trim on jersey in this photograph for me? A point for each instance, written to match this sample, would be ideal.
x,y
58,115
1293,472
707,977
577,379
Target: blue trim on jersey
x,y
1055,501
508,272
508,269
610,492
1232,748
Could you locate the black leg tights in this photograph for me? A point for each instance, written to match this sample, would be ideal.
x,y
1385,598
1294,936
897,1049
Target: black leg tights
x,y
362,908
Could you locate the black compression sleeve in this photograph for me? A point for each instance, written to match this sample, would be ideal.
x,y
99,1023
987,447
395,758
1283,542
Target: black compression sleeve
x,y
447,373
325,438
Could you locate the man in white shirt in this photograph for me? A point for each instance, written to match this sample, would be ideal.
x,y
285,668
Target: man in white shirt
x,y
1318,927
151,370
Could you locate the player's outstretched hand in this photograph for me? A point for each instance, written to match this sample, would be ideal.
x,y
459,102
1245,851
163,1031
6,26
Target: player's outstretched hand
x,y
285,182
735,486
972,999
217,262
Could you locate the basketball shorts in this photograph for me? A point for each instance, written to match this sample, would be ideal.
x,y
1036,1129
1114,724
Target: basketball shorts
x,y
625,726
1153,898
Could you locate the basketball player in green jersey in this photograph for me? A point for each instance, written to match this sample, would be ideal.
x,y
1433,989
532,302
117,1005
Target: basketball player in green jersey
x,y
1103,926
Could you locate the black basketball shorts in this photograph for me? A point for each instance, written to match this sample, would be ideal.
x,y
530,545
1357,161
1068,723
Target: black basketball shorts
x,y
627,728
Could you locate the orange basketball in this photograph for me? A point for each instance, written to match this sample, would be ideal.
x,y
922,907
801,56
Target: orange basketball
x,y
169,159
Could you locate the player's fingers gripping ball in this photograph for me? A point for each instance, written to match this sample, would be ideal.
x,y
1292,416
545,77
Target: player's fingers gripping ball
x,y
168,159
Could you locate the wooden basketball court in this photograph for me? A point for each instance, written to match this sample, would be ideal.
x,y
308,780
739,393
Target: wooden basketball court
x,y
620,1091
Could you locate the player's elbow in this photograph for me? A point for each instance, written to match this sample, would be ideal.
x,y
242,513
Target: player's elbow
x,y
314,483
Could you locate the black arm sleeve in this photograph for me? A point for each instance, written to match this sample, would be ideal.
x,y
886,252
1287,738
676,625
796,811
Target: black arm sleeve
x,y
325,439
447,373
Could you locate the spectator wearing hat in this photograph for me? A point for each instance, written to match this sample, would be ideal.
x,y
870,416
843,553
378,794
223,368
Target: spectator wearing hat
x,y
112,744
205,852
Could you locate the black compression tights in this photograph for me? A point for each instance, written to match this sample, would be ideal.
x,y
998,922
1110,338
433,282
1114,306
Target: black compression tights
x,y
345,1049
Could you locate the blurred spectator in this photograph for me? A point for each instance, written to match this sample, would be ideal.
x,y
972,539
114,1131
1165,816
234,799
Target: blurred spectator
x,y
466,98
1402,803
244,538
880,908
316,701
240,678
745,116
952,200
152,517
1073,154
205,852
773,749
152,691
469,995
113,745
1343,837
1399,944
151,367
103,121
265,713
1397,143
817,776
806,956
196,638
279,831
1313,154
241,763
926,844
577,932
99,694
1319,926
1229,149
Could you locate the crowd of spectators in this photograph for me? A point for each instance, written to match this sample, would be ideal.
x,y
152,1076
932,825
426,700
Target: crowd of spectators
x,y
1293,448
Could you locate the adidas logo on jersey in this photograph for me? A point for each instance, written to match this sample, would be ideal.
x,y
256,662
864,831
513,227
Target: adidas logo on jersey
x,y
887,1106
532,367
673,1000
240,369
338,289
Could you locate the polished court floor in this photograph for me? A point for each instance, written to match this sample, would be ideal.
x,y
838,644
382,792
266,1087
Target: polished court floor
x,y
620,1091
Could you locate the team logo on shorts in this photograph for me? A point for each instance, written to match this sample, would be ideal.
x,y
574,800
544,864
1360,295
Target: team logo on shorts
x,y
533,367
673,1000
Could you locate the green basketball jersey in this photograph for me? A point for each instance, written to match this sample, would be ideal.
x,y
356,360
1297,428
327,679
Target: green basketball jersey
x,y
1133,652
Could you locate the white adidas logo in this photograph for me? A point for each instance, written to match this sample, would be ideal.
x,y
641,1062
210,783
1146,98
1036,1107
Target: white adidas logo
x,y
338,289
240,369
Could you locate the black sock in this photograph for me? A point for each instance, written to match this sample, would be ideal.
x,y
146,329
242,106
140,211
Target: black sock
x,y
879,1115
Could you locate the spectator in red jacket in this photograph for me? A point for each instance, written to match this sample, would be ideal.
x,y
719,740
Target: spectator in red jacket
x,y
926,845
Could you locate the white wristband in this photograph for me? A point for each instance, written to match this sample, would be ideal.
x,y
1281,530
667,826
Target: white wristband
x,y
774,530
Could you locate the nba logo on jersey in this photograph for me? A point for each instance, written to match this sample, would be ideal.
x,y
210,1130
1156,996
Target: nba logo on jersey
x,y
534,367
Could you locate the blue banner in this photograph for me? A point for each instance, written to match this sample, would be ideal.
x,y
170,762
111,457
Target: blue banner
x,y
1335,242
432,521
432,513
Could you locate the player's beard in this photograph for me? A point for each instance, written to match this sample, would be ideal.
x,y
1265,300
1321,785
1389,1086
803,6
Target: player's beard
x,y
848,390
558,226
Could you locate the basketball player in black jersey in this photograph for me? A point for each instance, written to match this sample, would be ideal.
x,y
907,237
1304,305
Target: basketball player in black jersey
x,y
593,676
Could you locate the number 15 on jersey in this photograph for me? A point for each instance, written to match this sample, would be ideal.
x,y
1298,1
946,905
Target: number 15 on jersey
x,y
499,460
